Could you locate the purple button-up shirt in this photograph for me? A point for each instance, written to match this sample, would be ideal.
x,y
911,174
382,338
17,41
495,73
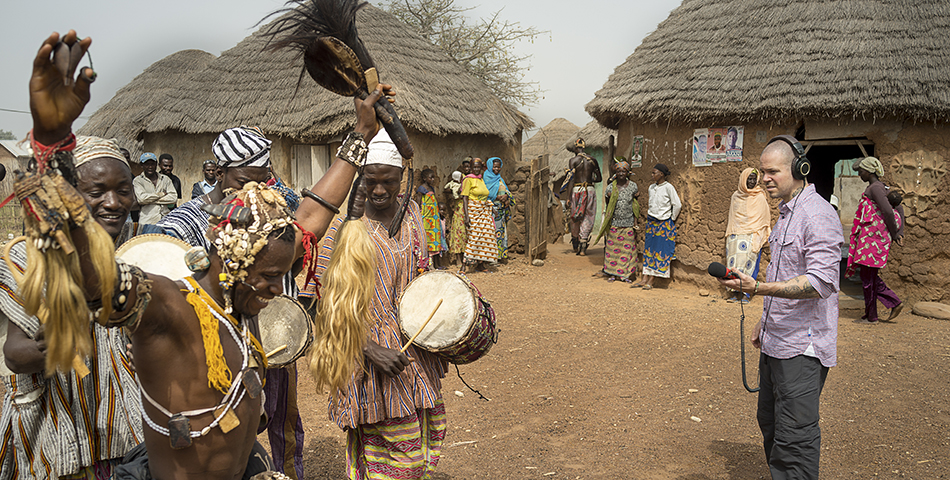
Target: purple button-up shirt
x,y
806,240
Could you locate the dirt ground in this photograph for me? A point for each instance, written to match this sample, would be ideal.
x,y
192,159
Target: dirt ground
x,y
594,380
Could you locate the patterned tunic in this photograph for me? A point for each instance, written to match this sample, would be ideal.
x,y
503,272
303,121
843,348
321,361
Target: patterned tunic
x,y
371,397
53,427
870,241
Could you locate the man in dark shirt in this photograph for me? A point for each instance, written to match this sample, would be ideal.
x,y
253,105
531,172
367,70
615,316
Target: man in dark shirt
x,y
166,164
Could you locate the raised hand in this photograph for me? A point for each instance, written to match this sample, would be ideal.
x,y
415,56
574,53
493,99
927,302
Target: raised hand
x,y
56,97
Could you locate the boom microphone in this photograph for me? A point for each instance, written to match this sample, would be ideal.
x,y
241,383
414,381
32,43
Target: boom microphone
x,y
719,270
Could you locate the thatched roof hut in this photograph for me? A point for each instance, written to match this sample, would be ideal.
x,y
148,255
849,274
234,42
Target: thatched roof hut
x,y
249,85
758,59
848,79
122,116
548,139
448,113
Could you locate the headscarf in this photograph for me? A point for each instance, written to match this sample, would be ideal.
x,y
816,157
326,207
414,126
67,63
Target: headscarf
x,y
457,176
870,165
620,161
89,148
580,143
382,151
749,211
242,147
492,180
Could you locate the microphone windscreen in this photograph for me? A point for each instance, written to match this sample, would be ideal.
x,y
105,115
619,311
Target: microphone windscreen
x,y
717,270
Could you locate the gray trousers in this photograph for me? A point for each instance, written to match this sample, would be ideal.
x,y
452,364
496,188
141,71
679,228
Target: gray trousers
x,y
788,415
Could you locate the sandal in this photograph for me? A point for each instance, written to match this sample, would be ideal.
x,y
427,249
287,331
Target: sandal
x,y
648,287
611,279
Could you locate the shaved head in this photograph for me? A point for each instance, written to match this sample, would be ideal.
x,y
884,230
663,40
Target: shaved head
x,y
781,150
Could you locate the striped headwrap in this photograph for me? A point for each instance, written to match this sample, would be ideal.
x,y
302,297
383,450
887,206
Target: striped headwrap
x,y
88,148
242,147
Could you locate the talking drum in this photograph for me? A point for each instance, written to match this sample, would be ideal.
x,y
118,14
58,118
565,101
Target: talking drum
x,y
286,331
462,329
158,254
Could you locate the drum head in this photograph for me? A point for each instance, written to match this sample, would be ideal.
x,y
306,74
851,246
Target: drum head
x,y
284,322
158,254
453,319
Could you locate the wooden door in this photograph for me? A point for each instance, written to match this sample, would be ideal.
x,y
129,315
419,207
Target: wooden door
x,y
536,208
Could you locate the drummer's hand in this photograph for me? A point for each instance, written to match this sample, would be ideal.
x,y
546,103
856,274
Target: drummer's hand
x,y
389,361
57,96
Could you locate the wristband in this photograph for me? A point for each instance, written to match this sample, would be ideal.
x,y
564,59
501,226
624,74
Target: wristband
x,y
44,154
313,196
353,150
756,288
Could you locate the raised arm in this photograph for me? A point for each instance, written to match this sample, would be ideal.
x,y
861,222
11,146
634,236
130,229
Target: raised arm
x,y
335,184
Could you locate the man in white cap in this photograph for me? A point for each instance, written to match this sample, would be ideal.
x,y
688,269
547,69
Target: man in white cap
x,y
96,420
393,412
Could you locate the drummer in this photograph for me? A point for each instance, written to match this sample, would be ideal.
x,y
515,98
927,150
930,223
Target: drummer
x,y
35,441
243,155
393,413
201,405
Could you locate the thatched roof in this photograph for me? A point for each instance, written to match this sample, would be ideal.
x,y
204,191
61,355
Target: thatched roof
x,y
121,117
247,85
548,139
594,134
763,59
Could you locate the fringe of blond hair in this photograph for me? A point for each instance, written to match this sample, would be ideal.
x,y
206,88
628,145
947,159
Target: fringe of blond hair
x,y
342,317
53,283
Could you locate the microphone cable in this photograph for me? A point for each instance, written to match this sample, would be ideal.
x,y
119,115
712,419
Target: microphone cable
x,y
745,381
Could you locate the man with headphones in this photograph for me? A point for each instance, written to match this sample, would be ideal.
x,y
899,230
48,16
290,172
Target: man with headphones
x,y
798,331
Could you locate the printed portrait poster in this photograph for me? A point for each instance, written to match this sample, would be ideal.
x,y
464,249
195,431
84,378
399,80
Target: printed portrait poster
x,y
734,137
716,145
699,147
636,154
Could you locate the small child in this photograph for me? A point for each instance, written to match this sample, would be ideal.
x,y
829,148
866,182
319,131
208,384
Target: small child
x,y
895,199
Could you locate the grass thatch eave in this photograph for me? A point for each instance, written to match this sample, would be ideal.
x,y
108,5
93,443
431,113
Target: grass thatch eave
x,y
765,60
247,85
120,117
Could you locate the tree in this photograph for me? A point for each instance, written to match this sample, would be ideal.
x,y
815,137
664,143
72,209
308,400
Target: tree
x,y
7,135
482,47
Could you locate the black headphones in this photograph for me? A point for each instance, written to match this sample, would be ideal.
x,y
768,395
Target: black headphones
x,y
802,165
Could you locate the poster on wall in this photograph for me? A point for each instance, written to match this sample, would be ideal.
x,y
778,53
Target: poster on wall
x,y
699,147
734,136
636,154
716,145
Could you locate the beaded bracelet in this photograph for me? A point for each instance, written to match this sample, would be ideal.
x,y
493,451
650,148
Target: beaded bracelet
x,y
44,153
756,288
331,207
353,149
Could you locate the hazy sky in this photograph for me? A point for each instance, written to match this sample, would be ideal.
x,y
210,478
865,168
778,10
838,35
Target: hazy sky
x,y
586,40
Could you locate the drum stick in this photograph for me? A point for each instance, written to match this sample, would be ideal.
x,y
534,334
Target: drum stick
x,y
436,309
277,350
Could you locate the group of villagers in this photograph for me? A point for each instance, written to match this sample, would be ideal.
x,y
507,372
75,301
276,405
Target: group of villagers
x,y
120,373
620,226
478,206
878,222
